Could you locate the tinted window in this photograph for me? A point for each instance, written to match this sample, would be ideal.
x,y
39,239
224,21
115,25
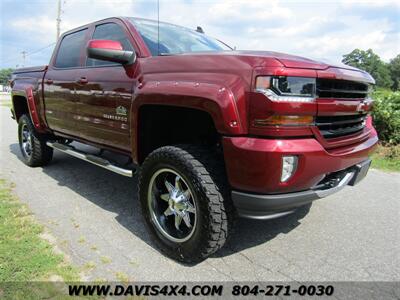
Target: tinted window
x,y
172,39
69,53
109,31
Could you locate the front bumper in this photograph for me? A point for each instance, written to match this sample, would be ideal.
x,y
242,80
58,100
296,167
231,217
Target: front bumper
x,y
254,167
254,164
258,206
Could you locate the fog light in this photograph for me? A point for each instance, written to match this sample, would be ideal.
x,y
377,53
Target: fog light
x,y
289,166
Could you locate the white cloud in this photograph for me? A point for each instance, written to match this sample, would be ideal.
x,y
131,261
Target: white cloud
x,y
35,26
318,29
371,3
309,28
256,10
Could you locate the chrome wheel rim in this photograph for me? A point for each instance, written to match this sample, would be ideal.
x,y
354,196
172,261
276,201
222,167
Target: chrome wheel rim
x,y
171,205
26,141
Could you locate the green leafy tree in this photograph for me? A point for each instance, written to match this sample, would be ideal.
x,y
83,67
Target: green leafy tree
x,y
386,116
394,68
372,63
5,76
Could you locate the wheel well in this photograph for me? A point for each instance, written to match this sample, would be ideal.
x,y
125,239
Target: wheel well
x,y
20,106
161,125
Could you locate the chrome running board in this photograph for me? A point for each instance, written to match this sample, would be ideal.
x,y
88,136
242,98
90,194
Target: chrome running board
x,y
96,160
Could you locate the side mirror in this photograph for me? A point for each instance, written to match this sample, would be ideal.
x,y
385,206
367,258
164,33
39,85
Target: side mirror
x,y
109,50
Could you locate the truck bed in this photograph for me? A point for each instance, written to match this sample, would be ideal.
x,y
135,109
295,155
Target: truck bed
x,y
31,69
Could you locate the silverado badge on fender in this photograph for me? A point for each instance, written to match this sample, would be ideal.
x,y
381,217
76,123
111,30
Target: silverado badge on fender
x,y
120,114
115,118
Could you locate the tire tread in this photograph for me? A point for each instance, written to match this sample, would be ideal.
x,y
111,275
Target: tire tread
x,y
41,153
210,170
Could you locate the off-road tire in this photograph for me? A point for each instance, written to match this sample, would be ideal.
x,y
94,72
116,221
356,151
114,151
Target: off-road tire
x,y
41,154
204,170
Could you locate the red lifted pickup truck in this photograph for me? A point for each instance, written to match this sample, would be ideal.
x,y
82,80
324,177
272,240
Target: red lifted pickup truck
x,y
213,132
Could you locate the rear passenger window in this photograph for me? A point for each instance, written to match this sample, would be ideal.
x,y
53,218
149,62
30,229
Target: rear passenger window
x,y
109,31
69,53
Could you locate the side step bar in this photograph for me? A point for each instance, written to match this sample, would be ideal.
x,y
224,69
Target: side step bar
x,y
96,160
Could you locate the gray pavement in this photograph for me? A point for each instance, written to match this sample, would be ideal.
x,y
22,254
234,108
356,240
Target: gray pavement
x,y
94,217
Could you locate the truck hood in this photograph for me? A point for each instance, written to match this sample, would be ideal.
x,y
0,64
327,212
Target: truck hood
x,y
340,71
294,61
287,60
243,63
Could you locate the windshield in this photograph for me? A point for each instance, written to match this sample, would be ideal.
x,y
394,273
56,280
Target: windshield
x,y
175,39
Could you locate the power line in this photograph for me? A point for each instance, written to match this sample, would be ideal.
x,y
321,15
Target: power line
x,y
60,3
58,30
41,49
29,53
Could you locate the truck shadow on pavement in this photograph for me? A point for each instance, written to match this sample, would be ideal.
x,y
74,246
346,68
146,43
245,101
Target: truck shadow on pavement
x,y
118,194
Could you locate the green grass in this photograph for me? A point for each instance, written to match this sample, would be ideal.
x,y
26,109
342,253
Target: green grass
x,y
387,158
25,257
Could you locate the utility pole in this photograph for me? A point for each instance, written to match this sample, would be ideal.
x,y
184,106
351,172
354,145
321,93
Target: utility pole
x,y
23,58
58,20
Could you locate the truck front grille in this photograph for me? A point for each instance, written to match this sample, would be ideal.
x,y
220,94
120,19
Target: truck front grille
x,y
332,88
338,126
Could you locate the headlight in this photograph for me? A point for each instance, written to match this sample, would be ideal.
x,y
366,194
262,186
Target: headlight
x,y
287,89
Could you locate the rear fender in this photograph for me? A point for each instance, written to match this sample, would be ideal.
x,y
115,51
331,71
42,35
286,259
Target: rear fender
x,y
28,93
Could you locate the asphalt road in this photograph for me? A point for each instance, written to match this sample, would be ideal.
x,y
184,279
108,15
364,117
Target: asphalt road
x,y
95,219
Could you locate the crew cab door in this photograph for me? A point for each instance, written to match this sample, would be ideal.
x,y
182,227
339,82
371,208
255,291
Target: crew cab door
x,y
104,93
59,83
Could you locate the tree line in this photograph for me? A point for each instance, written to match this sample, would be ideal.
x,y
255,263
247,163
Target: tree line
x,y
5,76
386,75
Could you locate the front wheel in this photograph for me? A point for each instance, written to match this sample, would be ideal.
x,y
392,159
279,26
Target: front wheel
x,y
185,201
33,147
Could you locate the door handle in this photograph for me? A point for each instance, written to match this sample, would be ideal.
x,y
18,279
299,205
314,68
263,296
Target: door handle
x,y
82,80
48,81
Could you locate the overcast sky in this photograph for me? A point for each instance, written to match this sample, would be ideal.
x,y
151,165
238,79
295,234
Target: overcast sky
x,y
322,30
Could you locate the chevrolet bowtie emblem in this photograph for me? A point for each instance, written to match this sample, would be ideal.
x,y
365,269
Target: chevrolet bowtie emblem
x,y
361,107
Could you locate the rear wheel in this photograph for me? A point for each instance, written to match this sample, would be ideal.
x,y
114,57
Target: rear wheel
x,y
185,200
33,146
